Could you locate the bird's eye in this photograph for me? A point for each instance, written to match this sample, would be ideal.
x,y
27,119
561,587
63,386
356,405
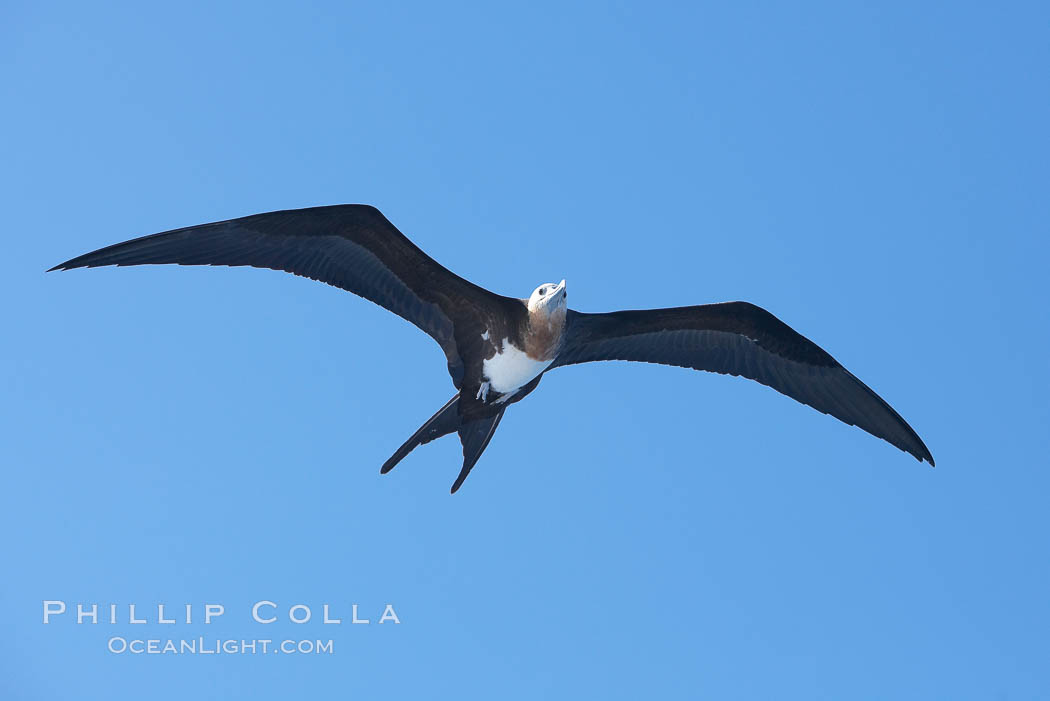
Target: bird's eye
x,y
543,291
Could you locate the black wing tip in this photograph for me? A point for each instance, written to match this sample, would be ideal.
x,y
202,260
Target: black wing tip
x,y
921,452
83,261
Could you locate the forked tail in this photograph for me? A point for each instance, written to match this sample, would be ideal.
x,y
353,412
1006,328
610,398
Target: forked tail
x,y
474,436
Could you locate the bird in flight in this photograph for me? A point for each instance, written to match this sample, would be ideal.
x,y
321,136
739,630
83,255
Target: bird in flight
x,y
497,347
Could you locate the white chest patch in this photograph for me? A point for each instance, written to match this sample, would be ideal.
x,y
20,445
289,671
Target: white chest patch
x,y
512,368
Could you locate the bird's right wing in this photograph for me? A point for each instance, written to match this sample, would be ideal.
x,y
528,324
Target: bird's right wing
x,y
737,338
353,247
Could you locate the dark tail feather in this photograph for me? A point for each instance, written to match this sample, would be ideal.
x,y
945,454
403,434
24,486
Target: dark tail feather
x,y
444,422
475,437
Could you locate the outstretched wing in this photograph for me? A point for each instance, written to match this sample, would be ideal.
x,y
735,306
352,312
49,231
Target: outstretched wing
x,y
351,246
737,338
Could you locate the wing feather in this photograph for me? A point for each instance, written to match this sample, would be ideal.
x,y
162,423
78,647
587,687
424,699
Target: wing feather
x,y
738,338
353,247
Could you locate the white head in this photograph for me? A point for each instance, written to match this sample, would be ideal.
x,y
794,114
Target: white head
x,y
548,297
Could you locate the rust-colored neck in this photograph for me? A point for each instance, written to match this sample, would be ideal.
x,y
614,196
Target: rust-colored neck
x,y
543,334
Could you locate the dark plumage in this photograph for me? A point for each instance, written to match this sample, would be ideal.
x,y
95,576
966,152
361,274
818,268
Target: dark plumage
x,y
498,347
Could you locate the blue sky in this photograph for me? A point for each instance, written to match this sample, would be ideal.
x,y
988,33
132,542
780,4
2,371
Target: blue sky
x,y
875,174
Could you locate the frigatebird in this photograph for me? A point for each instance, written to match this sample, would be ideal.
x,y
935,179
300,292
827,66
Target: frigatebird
x,y
497,347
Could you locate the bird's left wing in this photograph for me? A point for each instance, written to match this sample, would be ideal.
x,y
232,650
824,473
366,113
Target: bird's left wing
x,y
353,247
738,338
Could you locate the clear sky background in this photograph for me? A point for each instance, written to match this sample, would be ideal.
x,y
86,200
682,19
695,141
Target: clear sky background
x,y
875,174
